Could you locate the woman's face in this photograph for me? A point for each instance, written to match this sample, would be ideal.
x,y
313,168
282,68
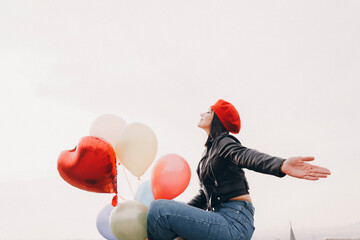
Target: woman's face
x,y
205,120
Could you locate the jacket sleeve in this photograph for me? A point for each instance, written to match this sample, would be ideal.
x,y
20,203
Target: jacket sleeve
x,y
250,158
199,200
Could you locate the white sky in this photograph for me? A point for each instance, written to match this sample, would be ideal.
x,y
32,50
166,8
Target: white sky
x,y
290,67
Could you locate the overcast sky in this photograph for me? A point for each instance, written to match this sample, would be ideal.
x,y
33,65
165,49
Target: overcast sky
x,y
291,68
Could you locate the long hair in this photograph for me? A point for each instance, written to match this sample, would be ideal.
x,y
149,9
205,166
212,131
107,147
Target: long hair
x,y
216,129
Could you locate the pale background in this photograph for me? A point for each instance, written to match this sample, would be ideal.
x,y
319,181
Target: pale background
x,y
291,68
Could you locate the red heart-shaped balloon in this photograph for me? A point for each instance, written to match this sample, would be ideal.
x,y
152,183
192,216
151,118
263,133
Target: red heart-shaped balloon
x,y
90,166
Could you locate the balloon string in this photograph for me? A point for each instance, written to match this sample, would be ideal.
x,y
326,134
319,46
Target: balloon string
x,y
122,197
127,180
139,182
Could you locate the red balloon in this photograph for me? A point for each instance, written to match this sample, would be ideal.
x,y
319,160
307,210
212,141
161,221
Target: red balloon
x,y
170,176
90,166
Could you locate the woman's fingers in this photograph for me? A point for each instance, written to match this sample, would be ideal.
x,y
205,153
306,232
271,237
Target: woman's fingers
x,y
323,171
318,169
311,178
317,175
307,158
300,168
315,172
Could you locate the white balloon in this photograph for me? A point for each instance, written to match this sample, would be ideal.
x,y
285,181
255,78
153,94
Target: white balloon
x,y
136,148
109,127
128,221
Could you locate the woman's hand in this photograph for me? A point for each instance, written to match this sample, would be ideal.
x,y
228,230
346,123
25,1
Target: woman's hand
x,y
299,168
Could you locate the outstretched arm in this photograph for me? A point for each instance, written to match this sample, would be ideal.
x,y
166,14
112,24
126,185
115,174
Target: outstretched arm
x,y
299,168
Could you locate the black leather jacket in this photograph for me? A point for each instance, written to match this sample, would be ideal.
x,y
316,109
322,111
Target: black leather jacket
x,y
220,170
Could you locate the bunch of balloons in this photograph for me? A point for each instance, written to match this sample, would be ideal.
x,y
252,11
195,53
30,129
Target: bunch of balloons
x,y
92,166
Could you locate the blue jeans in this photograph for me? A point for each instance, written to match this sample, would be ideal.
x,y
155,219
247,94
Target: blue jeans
x,y
168,219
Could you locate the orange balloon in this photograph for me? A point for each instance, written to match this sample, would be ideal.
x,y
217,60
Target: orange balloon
x,y
170,176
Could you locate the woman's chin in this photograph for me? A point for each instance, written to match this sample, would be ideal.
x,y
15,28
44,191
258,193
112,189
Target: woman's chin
x,y
202,128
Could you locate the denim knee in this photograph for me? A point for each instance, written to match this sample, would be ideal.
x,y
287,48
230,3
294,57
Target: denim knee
x,y
154,211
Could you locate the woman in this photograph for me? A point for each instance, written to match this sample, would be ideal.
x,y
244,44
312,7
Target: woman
x,y
222,209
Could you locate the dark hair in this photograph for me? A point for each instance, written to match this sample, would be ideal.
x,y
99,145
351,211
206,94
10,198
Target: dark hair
x,y
216,129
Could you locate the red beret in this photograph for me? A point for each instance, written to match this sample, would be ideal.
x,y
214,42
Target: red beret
x,y
228,115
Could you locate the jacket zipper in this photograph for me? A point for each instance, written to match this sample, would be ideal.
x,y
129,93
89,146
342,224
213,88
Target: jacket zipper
x,y
216,183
